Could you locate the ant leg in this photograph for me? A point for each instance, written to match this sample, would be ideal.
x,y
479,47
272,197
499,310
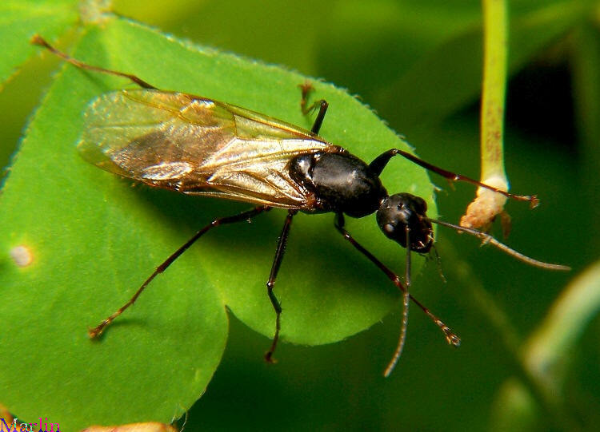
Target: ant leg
x,y
381,161
450,336
322,104
38,40
271,282
97,331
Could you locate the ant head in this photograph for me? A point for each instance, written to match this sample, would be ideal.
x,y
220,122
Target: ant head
x,y
401,211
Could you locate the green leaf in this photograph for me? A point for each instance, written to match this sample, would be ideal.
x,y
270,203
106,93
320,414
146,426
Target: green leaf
x,y
94,239
21,19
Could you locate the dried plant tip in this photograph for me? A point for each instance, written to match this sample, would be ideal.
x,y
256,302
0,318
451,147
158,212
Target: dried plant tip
x,y
483,210
133,427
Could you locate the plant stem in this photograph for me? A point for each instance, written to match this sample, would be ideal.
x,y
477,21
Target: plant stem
x,y
517,353
494,89
482,211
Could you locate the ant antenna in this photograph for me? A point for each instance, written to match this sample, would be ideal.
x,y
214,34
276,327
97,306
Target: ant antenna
x,y
405,303
486,238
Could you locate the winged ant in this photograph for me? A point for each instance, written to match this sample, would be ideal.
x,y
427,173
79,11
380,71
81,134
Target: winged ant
x,y
200,146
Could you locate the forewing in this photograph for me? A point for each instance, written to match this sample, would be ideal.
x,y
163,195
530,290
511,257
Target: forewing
x,y
145,134
196,145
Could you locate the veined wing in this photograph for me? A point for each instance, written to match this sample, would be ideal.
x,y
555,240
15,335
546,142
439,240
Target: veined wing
x,y
197,146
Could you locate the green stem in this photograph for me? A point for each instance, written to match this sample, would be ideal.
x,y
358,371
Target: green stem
x,y
483,210
551,403
586,85
546,352
494,88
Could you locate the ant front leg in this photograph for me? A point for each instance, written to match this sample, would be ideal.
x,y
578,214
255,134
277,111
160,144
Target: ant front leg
x,y
381,161
451,338
271,282
322,104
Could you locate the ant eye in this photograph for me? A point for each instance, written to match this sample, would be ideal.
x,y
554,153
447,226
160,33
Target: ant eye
x,y
388,228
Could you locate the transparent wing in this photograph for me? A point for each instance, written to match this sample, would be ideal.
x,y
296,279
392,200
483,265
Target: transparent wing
x,y
196,146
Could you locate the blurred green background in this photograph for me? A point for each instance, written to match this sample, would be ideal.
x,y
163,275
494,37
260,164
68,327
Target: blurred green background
x,y
418,64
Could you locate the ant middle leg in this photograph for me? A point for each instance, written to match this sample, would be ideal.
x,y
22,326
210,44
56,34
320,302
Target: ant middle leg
x,y
271,282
